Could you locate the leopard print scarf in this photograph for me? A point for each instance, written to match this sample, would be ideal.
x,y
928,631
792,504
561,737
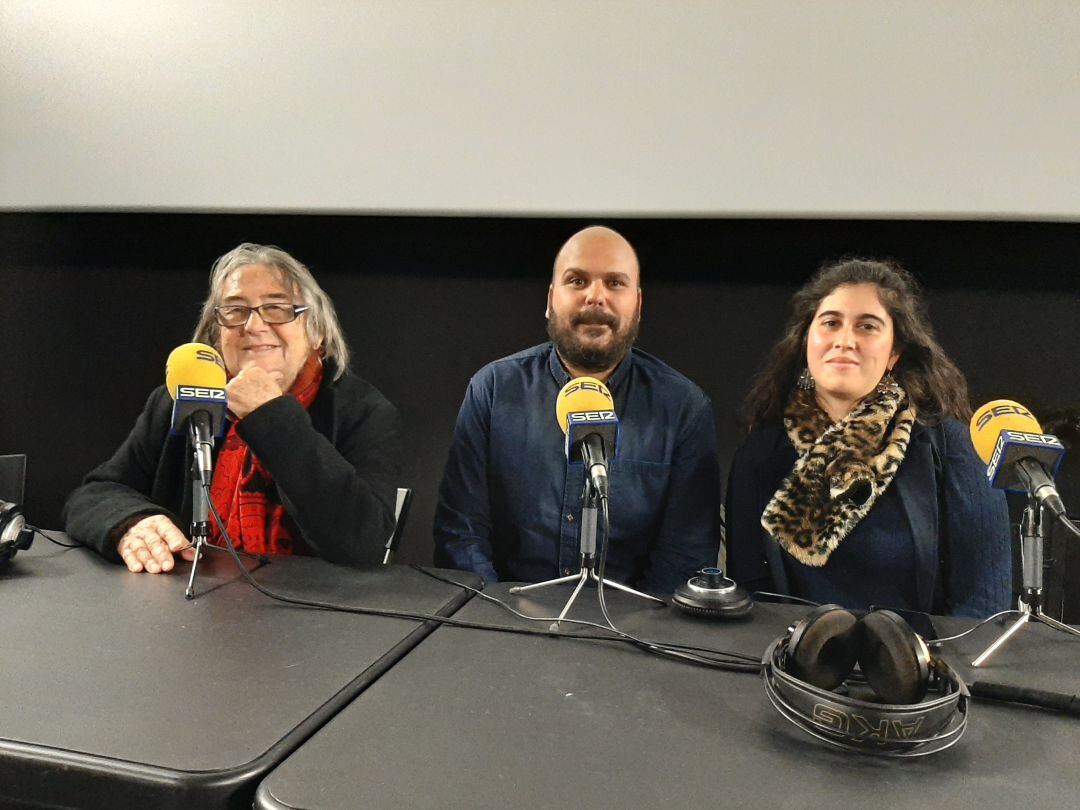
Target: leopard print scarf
x,y
841,471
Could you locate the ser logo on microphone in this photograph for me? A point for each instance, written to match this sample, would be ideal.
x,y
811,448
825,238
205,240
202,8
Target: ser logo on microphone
x,y
1018,437
1032,438
578,417
585,385
196,392
209,357
1002,410
992,465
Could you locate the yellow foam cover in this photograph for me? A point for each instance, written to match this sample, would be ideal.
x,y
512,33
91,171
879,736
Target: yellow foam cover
x,y
194,364
994,417
582,394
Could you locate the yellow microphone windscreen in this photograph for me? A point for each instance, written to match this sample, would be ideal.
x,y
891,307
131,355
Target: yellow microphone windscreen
x,y
582,394
194,364
992,418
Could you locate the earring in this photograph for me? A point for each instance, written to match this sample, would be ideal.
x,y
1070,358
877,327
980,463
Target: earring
x,y
805,381
888,383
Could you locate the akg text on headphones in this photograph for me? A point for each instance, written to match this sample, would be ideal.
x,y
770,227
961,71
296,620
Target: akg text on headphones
x,y
819,653
15,535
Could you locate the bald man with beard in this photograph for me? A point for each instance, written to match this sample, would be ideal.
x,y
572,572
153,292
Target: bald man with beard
x,y
510,506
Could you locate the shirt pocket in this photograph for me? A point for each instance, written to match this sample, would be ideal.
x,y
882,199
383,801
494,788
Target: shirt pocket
x,y
639,495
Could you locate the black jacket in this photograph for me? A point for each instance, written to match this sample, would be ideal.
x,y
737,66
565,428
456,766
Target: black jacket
x,y
335,466
958,527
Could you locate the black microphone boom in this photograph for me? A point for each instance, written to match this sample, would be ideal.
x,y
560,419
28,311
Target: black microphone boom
x,y
593,438
596,460
201,433
1040,484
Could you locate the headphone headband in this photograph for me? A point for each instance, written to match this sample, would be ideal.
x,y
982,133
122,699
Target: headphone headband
x,y
887,729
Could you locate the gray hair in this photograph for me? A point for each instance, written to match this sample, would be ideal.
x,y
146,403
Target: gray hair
x,y
320,320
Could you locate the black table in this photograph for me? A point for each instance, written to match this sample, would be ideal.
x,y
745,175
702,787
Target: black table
x,y
472,719
117,692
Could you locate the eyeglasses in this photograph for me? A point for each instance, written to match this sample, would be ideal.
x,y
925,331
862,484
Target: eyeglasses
x,y
238,314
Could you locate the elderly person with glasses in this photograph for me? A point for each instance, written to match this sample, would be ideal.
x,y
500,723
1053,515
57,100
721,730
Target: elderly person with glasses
x,y
311,455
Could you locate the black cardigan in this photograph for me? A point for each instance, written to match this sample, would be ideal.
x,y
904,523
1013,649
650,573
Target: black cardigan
x,y
335,466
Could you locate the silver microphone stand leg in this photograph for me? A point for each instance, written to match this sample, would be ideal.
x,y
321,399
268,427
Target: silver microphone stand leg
x,y
587,570
609,583
583,578
197,545
535,585
200,526
1030,606
1025,615
1050,621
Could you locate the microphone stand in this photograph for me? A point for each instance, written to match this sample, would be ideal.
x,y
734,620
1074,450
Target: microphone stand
x,y
200,526
1032,528
200,506
590,503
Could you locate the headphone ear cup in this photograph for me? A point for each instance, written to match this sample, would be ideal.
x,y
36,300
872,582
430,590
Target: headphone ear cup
x,y
824,647
890,658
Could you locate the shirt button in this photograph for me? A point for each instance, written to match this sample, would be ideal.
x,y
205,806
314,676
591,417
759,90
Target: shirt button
x,y
566,572
569,518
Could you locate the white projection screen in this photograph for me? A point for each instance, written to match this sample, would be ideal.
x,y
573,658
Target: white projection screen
x,y
850,108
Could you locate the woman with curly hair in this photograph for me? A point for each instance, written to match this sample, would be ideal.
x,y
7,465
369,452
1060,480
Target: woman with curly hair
x,y
858,483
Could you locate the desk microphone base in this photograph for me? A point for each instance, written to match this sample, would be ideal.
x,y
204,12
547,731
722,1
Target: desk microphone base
x,y
200,524
1031,558
199,542
590,504
1028,612
587,573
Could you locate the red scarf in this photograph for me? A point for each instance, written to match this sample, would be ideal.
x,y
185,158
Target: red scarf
x,y
244,493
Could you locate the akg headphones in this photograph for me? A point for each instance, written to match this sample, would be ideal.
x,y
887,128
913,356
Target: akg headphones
x,y
819,653
15,535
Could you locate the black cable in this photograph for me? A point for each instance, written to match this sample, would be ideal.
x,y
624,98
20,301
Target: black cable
x,y
785,597
937,642
513,611
415,616
1068,524
683,653
36,530
489,598
393,614
1026,696
743,663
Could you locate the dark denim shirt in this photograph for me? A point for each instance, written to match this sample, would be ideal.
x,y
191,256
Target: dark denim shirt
x,y
510,505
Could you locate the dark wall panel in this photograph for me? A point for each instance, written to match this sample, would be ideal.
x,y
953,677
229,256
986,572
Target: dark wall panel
x,y
94,303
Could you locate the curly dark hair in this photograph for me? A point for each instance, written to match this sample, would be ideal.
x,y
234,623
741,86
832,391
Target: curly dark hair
x,y
932,381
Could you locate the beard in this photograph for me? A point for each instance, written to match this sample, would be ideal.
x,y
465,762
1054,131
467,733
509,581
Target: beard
x,y
590,356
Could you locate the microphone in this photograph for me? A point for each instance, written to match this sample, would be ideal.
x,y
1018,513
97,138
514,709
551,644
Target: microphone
x,y
195,377
585,412
1019,457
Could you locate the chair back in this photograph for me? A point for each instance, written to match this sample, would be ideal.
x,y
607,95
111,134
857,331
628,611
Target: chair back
x,y
401,511
13,479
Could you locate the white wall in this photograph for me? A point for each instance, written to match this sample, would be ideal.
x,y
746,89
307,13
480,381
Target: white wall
x,y
849,107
